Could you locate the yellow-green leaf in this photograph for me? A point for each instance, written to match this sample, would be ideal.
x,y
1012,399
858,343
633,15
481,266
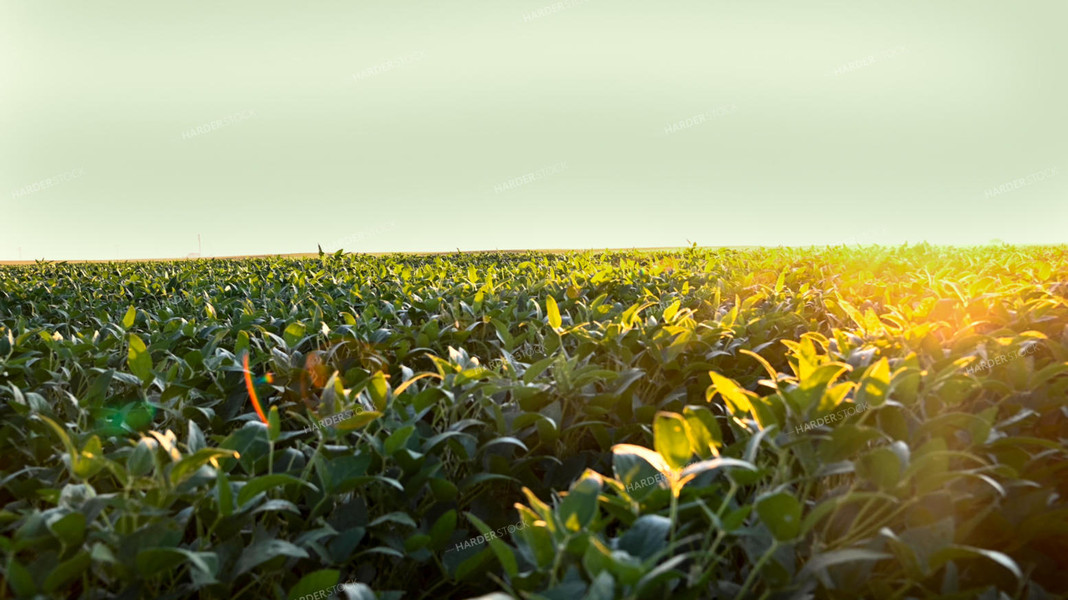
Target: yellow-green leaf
x,y
129,318
139,360
732,393
274,424
553,311
671,438
358,420
379,390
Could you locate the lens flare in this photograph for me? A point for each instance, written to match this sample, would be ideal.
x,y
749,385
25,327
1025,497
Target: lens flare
x,y
319,372
252,391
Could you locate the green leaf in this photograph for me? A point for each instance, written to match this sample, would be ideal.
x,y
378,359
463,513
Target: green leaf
x,y
293,334
139,360
736,518
579,507
871,391
384,550
266,482
184,468
152,561
416,542
263,550
548,433
659,575
242,344
470,567
671,438
103,554
846,441
603,587
141,459
442,529
638,468
506,440
65,439
19,578
314,582
881,466
443,489
67,571
705,434
70,529
398,517
553,311
695,469
99,387
195,437
226,493
737,399
954,552
90,459
821,562
597,558
397,439
540,541
646,536
500,549
781,513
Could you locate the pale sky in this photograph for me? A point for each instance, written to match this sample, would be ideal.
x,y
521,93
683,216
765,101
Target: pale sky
x,y
410,126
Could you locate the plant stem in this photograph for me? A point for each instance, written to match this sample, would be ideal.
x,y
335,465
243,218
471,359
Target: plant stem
x,y
675,491
727,499
742,594
560,550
